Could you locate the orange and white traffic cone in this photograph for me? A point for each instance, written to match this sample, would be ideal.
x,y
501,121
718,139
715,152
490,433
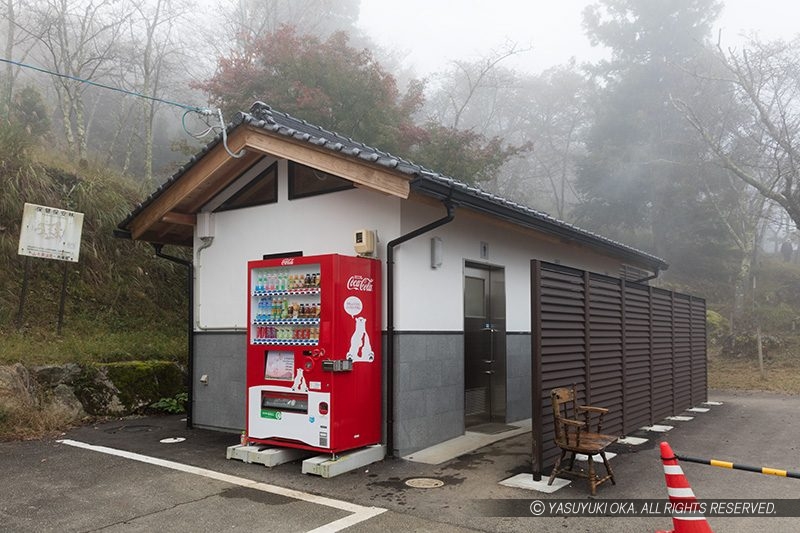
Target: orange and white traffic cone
x,y
686,515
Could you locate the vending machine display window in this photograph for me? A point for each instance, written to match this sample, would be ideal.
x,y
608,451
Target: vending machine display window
x,y
285,305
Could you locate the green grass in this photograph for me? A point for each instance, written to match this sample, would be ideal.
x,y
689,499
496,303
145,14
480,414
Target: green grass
x,y
38,347
122,303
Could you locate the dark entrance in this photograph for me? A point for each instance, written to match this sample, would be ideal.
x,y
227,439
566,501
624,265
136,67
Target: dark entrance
x,y
484,344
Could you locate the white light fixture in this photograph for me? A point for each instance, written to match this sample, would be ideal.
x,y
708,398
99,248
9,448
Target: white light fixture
x,y
436,252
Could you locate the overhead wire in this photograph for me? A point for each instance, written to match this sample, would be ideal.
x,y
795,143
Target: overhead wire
x,y
200,135
202,111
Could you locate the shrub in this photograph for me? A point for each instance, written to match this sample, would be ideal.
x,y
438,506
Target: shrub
x,y
140,382
746,345
174,405
126,387
717,326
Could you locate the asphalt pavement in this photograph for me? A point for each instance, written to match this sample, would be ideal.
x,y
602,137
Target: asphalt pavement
x,y
120,476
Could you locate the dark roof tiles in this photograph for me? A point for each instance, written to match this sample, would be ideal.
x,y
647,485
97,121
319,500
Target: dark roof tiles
x,y
264,117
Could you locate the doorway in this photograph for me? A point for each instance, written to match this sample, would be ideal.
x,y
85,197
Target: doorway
x,y
484,344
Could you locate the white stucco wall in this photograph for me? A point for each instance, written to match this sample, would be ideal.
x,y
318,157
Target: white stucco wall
x,y
426,299
431,300
314,225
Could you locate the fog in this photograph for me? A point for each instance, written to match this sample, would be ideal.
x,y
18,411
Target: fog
x,y
429,34
632,119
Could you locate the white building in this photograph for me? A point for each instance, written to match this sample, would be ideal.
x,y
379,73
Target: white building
x,y
456,260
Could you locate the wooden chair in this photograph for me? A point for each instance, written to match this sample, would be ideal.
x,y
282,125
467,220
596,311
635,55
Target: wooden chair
x,y
578,430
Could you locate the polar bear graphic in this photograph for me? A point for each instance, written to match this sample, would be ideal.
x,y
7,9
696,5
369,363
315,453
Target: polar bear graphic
x,y
299,381
360,341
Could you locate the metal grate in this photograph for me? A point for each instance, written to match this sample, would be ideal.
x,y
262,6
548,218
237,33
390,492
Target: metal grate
x,y
475,401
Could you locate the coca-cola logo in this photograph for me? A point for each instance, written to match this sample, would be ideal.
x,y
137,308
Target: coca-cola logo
x,y
288,261
360,283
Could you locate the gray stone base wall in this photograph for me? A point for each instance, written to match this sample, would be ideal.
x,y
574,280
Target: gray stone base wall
x,y
219,403
518,368
429,389
429,385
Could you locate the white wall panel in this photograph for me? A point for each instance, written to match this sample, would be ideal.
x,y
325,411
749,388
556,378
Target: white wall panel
x,y
431,300
426,299
314,225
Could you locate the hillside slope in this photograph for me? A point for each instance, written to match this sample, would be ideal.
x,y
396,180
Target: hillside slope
x,y
123,303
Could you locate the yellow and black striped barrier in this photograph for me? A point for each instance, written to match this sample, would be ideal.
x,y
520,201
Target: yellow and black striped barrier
x,y
726,464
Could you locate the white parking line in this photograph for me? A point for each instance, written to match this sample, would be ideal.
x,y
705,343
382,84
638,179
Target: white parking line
x,y
360,513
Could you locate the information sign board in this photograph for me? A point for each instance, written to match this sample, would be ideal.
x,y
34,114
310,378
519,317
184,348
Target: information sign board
x,y
50,233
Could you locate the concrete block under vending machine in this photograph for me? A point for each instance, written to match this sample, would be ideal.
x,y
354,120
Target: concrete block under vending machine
x,y
324,466
268,457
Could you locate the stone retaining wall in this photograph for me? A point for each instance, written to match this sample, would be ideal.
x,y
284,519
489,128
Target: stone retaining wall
x,y
100,389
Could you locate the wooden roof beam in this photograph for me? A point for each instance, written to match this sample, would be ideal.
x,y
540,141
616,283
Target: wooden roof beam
x,y
217,161
184,219
363,174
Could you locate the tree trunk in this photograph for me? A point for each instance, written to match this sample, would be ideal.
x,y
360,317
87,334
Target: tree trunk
x,y
80,128
148,149
8,82
123,121
743,276
64,104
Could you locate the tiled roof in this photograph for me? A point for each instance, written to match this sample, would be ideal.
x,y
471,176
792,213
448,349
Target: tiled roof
x,y
424,181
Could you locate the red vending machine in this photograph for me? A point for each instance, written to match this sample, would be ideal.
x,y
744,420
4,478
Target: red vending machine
x,y
314,352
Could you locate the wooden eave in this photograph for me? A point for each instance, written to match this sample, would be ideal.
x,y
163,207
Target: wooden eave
x,y
170,218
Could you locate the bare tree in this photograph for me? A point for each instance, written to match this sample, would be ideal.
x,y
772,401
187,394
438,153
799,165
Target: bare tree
x,y
760,145
153,37
470,93
751,131
554,111
545,111
78,39
252,19
20,40
742,212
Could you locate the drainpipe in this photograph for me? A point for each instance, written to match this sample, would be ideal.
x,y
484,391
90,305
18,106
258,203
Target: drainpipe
x,y
647,278
205,242
190,329
390,316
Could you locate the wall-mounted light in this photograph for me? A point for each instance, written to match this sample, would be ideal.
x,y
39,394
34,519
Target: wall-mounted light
x,y
436,252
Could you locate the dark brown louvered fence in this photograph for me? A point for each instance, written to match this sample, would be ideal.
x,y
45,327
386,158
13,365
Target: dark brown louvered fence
x,y
637,350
